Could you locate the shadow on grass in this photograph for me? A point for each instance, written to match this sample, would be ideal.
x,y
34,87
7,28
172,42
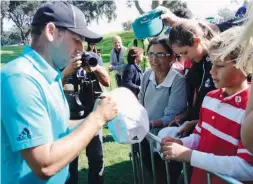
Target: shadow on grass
x,y
119,173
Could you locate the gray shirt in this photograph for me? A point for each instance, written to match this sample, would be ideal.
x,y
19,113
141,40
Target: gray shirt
x,y
118,65
166,100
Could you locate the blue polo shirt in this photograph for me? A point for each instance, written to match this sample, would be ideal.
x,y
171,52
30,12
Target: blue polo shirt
x,y
34,112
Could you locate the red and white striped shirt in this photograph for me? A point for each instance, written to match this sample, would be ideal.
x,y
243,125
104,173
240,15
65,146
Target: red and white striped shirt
x,y
218,137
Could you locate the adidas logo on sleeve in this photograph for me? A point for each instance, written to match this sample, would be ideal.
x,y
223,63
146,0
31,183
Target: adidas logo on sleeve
x,y
25,134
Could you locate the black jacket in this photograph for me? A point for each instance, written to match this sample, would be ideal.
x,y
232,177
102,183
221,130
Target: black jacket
x,y
132,78
199,80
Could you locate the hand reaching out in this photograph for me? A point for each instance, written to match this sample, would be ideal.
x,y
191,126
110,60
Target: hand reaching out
x,y
187,128
173,149
168,17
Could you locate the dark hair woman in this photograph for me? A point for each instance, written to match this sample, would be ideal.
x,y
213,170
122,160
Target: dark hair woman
x,y
132,73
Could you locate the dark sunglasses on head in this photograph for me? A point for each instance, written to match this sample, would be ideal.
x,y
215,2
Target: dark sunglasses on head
x,y
158,54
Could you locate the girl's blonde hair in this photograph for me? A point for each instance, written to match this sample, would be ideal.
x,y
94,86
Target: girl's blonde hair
x,y
244,38
221,42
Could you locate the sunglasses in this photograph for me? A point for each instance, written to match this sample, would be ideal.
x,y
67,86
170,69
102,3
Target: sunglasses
x,y
92,44
158,54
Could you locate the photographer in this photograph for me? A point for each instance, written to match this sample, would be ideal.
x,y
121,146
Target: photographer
x,y
85,80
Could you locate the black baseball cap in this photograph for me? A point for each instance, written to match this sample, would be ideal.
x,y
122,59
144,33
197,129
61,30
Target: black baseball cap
x,y
66,15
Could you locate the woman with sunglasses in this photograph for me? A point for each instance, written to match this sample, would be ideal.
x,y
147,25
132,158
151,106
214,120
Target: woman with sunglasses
x,y
163,94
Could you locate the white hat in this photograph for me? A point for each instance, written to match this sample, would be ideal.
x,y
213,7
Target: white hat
x,y
169,132
131,125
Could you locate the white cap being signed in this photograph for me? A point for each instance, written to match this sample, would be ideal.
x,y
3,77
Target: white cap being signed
x,y
131,125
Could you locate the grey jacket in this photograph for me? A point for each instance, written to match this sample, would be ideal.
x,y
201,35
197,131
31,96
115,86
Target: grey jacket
x,y
118,66
166,100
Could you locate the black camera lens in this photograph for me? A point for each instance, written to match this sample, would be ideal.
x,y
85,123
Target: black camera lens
x,y
93,62
89,60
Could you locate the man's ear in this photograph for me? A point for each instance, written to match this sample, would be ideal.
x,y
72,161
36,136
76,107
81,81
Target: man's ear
x,y
196,41
50,31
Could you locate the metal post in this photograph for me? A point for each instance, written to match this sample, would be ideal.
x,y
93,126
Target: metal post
x,y
137,164
185,173
141,161
167,171
209,180
131,155
152,160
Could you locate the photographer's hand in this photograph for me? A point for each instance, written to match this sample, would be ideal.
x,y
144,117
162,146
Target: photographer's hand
x,y
101,74
92,69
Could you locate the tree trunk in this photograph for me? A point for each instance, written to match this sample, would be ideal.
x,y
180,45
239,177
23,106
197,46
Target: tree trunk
x,y
21,34
155,4
2,21
27,36
137,5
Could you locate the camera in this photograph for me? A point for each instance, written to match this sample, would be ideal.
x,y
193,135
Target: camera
x,y
89,60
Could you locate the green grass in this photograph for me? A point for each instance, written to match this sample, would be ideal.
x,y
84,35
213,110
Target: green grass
x,y
10,52
118,168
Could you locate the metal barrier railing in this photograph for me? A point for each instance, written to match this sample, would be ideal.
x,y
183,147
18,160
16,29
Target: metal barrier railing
x,y
226,178
138,169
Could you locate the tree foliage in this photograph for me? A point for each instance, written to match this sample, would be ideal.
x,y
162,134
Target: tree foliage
x,y
4,11
22,12
127,26
95,10
5,38
10,37
225,14
172,5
